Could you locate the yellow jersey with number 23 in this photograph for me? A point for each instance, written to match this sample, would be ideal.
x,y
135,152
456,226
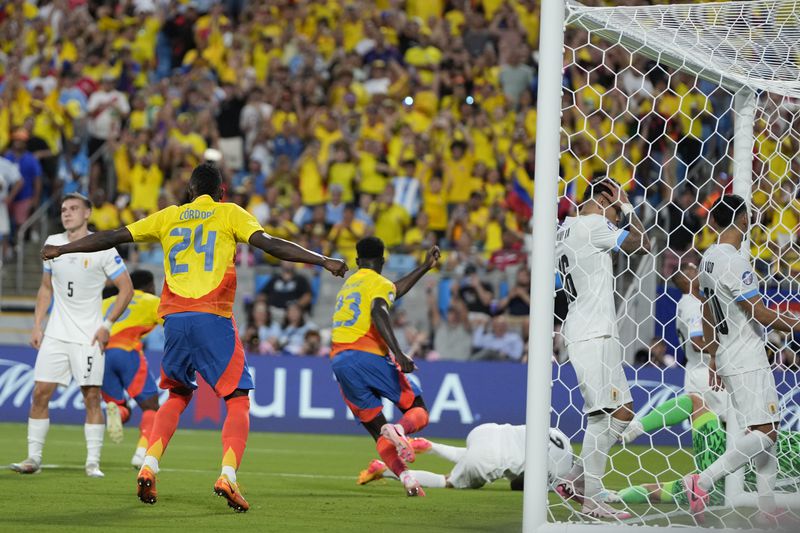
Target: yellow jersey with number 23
x,y
352,321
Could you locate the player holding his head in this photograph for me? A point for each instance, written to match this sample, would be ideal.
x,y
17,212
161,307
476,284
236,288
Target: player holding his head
x,y
689,323
733,315
199,241
72,345
368,362
583,251
126,366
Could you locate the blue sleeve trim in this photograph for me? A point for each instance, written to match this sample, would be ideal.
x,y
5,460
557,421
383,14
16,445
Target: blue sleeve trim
x,y
117,272
621,237
747,295
694,334
48,270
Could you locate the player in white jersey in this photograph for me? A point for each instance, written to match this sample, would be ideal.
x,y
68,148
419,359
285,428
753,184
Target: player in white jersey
x,y
583,251
492,452
72,344
733,316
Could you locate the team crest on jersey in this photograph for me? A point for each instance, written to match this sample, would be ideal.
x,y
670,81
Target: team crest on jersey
x,y
747,278
614,392
772,408
86,263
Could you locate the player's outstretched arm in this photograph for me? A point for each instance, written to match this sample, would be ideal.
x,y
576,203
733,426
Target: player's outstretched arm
x,y
94,242
769,317
404,284
383,323
43,299
289,251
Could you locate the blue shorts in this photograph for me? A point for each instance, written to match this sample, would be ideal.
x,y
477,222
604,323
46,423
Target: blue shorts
x,y
364,378
207,344
126,370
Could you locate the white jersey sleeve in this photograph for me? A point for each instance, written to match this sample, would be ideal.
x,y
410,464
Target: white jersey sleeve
x,y
726,278
78,281
689,323
605,235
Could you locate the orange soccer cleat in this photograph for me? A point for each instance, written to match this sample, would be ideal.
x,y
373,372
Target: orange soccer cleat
x,y
146,482
373,472
230,491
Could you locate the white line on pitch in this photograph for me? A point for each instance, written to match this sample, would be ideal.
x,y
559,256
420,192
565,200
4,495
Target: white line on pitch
x,y
199,471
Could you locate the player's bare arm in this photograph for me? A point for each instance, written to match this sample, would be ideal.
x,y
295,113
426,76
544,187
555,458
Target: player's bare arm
x,y
637,242
383,323
769,317
43,298
289,251
95,242
125,288
404,284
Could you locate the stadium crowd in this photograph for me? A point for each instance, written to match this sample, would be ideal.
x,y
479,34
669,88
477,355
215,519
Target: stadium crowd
x,y
410,120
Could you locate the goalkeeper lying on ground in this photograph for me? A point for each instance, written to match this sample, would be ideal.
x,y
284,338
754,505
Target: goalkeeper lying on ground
x,y
708,443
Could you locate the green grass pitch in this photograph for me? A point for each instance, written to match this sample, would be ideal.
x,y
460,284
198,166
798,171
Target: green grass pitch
x,y
293,483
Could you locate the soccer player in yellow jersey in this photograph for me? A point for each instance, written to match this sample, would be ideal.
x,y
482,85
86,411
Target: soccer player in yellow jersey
x,y
368,362
126,367
199,241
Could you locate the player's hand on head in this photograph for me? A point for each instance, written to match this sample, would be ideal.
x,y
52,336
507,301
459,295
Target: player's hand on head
x,y
432,257
36,337
337,267
50,251
101,337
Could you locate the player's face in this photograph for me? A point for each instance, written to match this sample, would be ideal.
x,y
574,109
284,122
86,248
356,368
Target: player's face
x,y
74,214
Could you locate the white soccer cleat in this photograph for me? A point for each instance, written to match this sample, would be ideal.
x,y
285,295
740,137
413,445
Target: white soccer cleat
x,y
28,466
608,496
412,486
93,470
631,432
113,422
138,458
395,434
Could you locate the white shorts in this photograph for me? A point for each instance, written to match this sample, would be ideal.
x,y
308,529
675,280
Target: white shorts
x,y
601,378
477,466
5,222
754,397
696,381
59,362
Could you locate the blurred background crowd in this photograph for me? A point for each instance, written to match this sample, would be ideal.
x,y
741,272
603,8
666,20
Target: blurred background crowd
x,y
411,120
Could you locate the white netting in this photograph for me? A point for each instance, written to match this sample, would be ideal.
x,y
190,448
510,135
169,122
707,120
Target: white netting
x,y
648,100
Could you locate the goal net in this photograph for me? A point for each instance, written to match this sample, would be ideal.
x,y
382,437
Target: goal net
x,y
678,105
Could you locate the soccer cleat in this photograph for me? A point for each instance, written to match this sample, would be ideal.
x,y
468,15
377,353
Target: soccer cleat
x,y
601,511
395,434
373,472
698,498
631,432
412,486
146,486
114,422
93,470
138,458
229,490
421,445
567,493
28,466
608,496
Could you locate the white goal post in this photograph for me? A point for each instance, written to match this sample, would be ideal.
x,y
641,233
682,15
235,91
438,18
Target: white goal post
x,y
748,48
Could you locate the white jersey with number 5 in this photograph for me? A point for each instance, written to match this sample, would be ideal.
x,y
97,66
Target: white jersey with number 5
x,y
78,281
727,278
583,254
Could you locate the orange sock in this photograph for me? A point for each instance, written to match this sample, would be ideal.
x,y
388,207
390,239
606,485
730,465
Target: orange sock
x,y
146,427
388,453
165,423
124,412
234,433
414,420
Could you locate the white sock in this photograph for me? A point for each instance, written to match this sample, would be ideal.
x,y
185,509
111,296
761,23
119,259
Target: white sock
x,y
602,432
94,441
151,463
744,448
766,464
230,472
425,478
140,451
451,453
37,433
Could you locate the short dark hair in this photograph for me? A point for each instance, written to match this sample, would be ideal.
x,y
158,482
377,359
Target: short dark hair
x,y
206,179
598,186
727,208
370,248
141,279
77,196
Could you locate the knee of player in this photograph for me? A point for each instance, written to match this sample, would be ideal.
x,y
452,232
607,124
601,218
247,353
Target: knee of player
x,y
150,404
91,397
41,395
767,429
